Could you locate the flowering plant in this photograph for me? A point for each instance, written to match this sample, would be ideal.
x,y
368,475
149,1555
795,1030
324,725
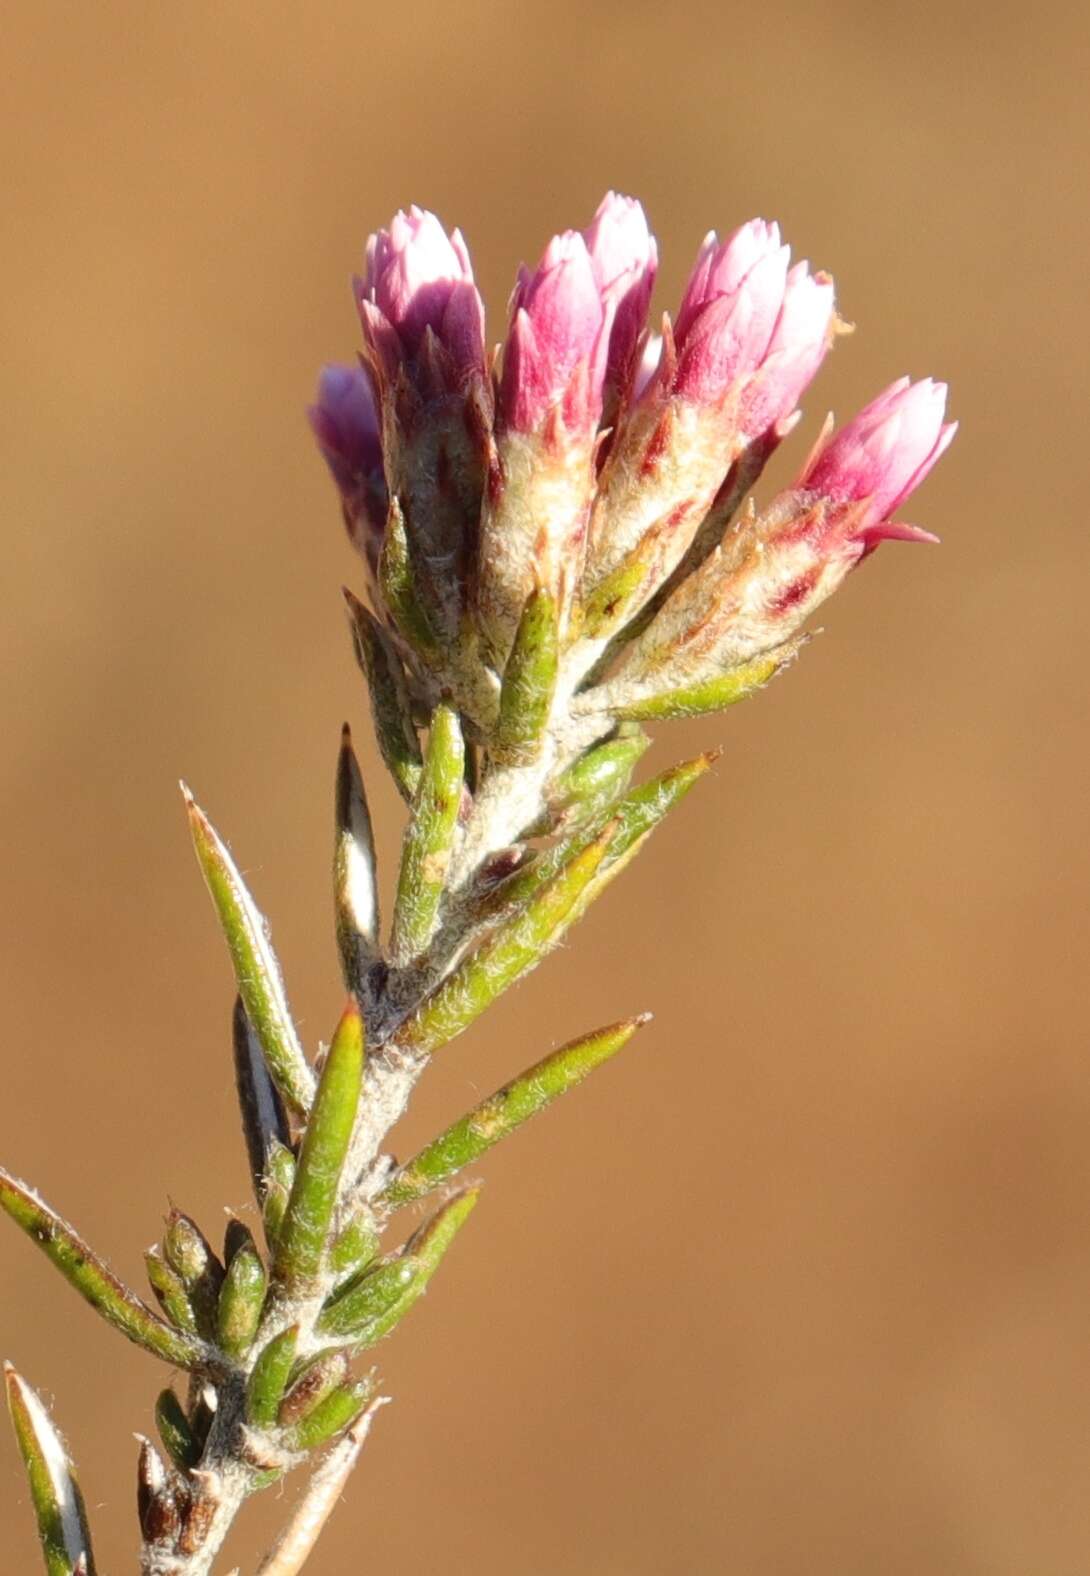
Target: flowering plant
x,y
557,548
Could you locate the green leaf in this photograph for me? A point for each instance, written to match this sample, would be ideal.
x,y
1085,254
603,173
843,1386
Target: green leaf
x,y
276,1186
397,582
429,838
191,1256
260,983
474,1134
592,784
264,1119
529,682
54,1491
169,1291
97,1284
354,1247
692,699
629,820
305,1231
355,886
269,1378
390,706
319,1378
511,950
336,1413
606,607
241,1301
369,1306
174,1430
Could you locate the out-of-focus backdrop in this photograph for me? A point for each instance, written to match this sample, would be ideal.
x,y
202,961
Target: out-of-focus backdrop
x,y
801,1284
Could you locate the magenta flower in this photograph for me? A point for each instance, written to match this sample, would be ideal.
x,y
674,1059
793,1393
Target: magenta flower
x,y
625,258
418,278
555,356
729,311
883,455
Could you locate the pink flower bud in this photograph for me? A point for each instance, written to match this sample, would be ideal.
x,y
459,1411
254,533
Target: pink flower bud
x,y
345,423
883,455
796,350
556,351
418,277
625,258
729,311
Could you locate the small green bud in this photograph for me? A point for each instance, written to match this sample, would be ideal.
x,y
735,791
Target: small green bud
x,y
318,1379
241,1301
269,1378
176,1432
369,1306
336,1413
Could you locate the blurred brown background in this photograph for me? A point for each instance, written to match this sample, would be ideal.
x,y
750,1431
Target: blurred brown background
x,y
802,1284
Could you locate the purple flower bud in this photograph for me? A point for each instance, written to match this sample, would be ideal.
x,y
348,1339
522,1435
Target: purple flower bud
x,y
883,455
345,423
625,258
729,311
555,355
417,277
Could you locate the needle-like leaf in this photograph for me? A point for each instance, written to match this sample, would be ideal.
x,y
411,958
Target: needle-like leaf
x,y
96,1283
260,983
429,838
398,583
646,702
630,819
397,738
515,946
370,1305
54,1491
264,1119
175,1431
305,1231
355,883
474,1134
593,783
529,681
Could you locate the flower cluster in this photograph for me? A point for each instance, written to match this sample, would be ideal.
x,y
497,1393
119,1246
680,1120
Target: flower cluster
x,y
603,467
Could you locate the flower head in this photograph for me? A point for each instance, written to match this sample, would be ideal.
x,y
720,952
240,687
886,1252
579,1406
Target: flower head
x,y
729,311
555,356
416,278
882,455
